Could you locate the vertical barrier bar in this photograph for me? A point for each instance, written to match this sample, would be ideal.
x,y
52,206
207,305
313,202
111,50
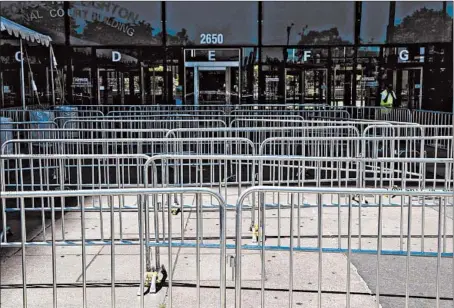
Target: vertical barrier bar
x,y
24,261
198,236
54,255
379,245
290,293
349,244
320,247
169,239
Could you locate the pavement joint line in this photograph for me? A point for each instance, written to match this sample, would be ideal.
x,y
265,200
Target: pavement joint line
x,y
32,237
91,262
362,280
435,208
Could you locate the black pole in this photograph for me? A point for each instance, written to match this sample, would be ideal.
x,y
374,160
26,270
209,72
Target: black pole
x,y
392,15
167,95
261,85
358,13
68,54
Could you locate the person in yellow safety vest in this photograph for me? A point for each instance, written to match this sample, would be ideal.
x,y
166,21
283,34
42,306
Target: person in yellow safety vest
x,y
387,97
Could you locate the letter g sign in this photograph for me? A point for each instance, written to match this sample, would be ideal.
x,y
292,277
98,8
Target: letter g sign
x,y
403,55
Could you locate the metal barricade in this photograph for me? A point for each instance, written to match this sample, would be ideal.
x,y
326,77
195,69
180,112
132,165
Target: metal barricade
x,y
15,114
264,112
315,270
143,124
106,108
363,113
20,115
394,114
68,251
33,130
132,146
264,122
151,112
436,118
361,125
391,173
259,134
24,172
281,107
6,133
286,117
59,133
439,130
325,114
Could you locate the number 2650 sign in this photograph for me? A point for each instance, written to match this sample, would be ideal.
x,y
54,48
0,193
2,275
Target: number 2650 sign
x,y
211,39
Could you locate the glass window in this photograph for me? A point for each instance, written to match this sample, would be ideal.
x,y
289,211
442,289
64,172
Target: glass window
x,y
273,74
82,83
10,86
119,77
342,76
374,22
308,23
116,22
249,70
418,22
46,17
368,76
212,23
153,75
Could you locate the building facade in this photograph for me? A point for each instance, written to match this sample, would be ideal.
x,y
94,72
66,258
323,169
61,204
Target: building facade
x,y
153,52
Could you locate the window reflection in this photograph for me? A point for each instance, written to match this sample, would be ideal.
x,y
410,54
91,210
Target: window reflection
x,y
417,22
374,22
311,23
115,22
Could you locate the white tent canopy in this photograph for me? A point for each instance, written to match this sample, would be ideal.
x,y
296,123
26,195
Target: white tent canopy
x,y
24,33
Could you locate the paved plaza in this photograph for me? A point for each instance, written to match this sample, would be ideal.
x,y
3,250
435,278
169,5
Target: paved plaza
x,y
334,278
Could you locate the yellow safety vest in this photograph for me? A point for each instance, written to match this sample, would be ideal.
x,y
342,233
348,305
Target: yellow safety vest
x,y
389,101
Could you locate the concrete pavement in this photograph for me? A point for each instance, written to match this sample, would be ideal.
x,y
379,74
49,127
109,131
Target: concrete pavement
x,y
334,274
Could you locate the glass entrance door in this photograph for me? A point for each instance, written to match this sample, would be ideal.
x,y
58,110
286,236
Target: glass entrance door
x,y
213,85
119,77
306,85
212,77
411,93
407,84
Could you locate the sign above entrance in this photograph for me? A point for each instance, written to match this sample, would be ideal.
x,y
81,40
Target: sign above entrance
x,y
212,55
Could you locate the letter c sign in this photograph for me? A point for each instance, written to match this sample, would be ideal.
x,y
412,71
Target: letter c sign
x,y
18,56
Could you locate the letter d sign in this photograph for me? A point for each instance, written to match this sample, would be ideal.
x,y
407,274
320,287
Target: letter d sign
x,y
116,56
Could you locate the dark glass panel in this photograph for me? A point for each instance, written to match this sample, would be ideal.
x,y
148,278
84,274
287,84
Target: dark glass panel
x,y
315,23
212,23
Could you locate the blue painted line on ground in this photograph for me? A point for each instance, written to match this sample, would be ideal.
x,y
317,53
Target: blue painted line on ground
x,y
267,248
